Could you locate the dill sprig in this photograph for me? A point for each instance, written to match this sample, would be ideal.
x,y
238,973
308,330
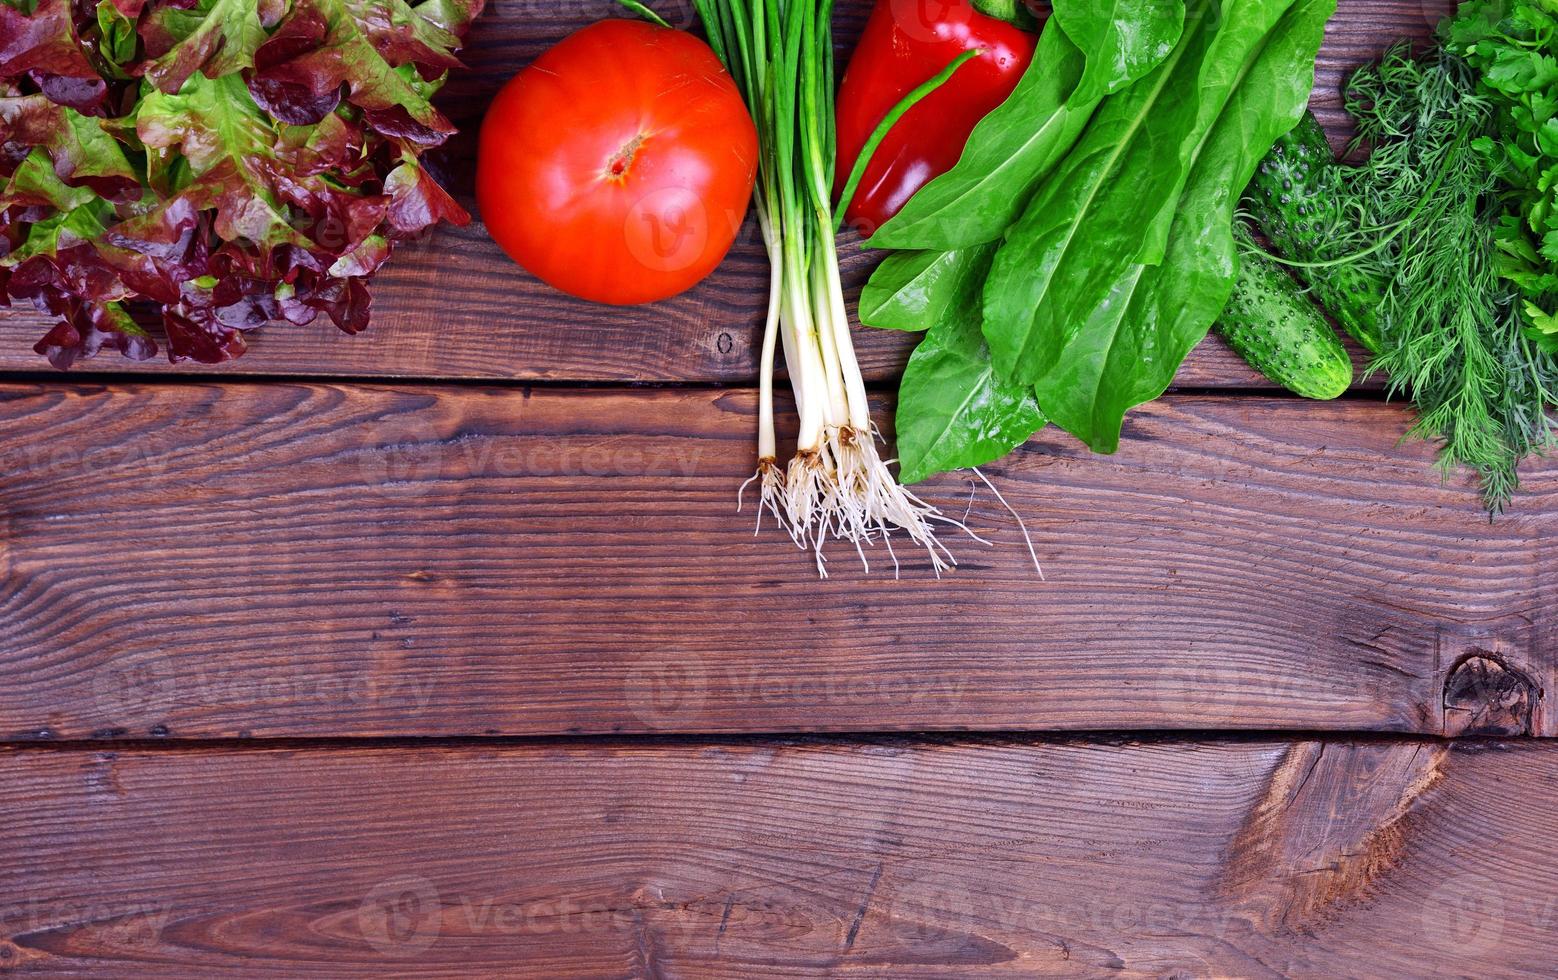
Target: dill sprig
x,y
1453,337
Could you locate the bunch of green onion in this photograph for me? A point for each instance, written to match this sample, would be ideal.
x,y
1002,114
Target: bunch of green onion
x,y
837,486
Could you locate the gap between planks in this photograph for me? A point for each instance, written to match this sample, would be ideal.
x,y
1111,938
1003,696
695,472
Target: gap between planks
x,y
172,745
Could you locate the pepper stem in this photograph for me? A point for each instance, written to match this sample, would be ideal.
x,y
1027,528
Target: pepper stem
x,y
638,8
1014,12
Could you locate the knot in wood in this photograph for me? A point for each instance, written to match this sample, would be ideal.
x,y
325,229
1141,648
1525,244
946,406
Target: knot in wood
x,y
1484,695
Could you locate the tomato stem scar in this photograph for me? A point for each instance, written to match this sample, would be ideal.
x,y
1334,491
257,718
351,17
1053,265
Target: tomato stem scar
x,y
623,161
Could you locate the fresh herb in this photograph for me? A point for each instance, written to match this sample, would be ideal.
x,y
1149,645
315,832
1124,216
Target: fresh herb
x,y
1453,338
1426,250
1459,345
232,161
1122,255
1511,46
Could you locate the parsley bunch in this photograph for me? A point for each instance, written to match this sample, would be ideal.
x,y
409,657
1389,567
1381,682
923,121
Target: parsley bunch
x,y
1512,46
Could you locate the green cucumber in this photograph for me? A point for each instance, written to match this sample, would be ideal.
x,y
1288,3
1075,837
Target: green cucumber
x,y
1274,326
1298,198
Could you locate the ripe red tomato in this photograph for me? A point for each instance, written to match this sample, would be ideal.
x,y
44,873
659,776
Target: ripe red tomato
x,y
618,167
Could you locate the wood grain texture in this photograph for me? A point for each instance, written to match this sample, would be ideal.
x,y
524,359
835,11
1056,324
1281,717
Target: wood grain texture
x,y
453,306
892,859
279,559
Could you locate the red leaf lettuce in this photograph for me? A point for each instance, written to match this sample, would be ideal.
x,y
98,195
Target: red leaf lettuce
x,y
232,162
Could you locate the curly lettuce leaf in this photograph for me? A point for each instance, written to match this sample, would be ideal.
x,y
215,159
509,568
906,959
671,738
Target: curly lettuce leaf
x,y
78,149
234,169
234,162
42,39
379,51
215,37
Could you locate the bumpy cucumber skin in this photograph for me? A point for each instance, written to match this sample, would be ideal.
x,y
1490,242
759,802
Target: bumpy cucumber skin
x,y
1296,199
1274,326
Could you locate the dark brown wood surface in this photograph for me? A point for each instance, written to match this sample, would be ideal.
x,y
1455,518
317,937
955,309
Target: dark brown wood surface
x,y
453,306
192,556
890,859
292,559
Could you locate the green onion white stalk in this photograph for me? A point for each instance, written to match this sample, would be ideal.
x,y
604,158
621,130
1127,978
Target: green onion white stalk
x,y
837,486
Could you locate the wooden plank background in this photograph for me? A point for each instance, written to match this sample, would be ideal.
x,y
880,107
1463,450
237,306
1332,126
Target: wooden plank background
x,y
892,859
441,651
292,559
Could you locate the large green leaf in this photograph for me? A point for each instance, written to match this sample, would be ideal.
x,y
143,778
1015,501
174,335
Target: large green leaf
x,y
1085,52
1123,39
1110,205
953,410
915,290
1127,351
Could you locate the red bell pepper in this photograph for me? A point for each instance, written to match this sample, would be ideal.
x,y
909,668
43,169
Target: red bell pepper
x,y
907,42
